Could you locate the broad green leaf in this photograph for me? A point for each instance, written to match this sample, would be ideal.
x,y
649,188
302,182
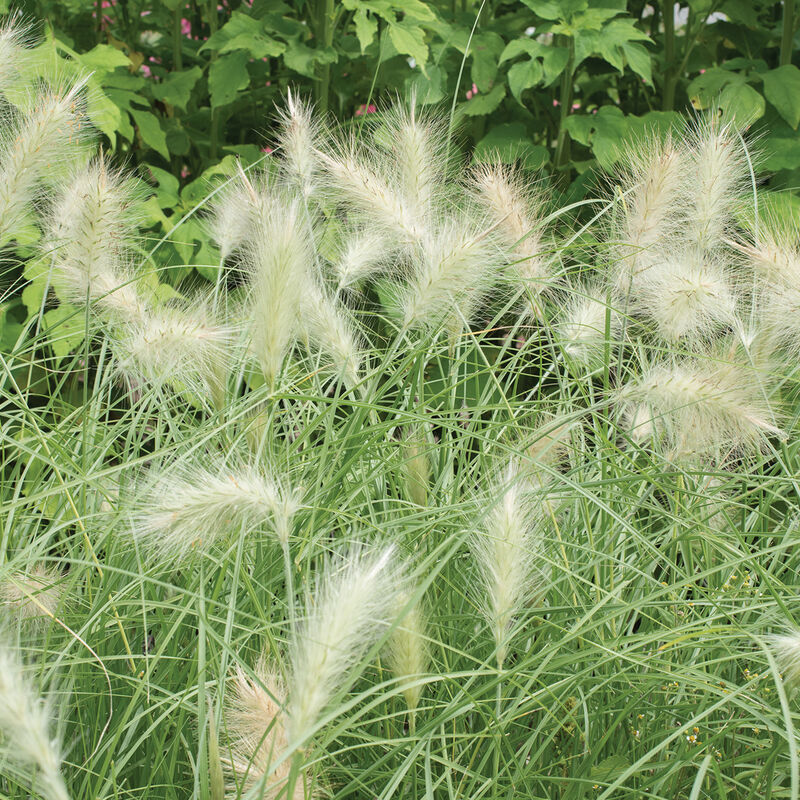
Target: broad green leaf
x,y
553,62
484,103
303,59
429,87
238,25
38,272
176,88
741,11
782,89
103,58
66,329
485,49
416,9
604,132
483,70
556,9
227,76
742,102
106,115
258,45
509,143
206,262
410,41
638,58
150,130
517,47
366,28
523,75
705,88
780,153
167,187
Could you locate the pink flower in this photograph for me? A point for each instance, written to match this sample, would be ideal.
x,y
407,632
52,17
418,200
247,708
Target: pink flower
x,y
186,27
268,83
146,71
145,13
469,95
366,109
371,108
266,149
702,71
576,106
185,171
474,89
556,103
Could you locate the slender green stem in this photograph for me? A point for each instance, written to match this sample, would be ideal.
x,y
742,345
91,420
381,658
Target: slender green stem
x,y
202,706
565,101
294,773
214,134
290,599
177,40
787,37
325,21
670,77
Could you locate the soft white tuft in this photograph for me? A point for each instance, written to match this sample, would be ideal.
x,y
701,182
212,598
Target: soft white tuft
x,y
507,549
191,507
25,738
699,406
353,601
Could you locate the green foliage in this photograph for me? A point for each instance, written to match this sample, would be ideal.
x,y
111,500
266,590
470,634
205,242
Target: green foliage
x,y
183,84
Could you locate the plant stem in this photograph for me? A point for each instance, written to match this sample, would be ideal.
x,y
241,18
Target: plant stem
x,y
787,38
325,18
565,101
287,566
212,27
670,77
177,43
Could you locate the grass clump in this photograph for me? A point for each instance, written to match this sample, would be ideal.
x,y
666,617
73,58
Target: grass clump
x,y
427,495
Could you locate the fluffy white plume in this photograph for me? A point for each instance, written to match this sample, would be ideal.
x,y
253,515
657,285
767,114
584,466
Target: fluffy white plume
x,y
699,406
33,147
688,296
582,328
453,268
516,210
417,144
235,212
35,595
507,549
191,507
786,647
331,332
255,724
280,258
362,254
14,38
407,651
353,601
652,182
362,186
717,172
169,345
25,738
297,144
89,234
